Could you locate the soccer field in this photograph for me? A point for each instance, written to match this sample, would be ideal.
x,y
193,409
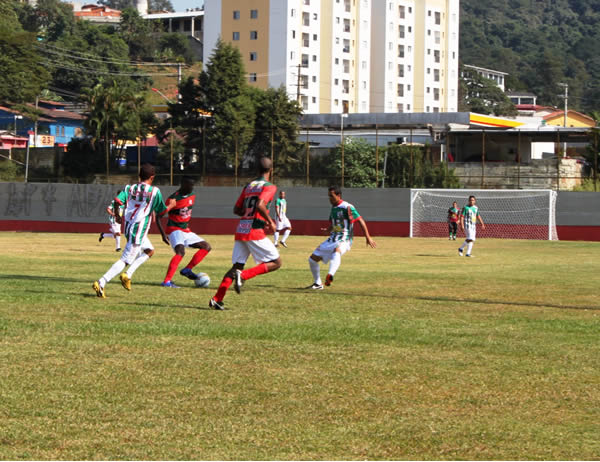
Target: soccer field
x,y
412,353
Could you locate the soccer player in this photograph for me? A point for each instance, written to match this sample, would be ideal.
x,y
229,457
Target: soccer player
x,y
141,202
282,223
250,238
179,209
113,209
468,222
453,213
342,218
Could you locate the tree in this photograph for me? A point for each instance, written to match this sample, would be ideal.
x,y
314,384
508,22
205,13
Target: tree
x,y
482,95
276,128
160,5
24,73
135,31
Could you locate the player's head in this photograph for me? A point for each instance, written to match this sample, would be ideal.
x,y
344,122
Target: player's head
x,y
147,172
472,200
264,165
454,204
335,194
187,185
282,194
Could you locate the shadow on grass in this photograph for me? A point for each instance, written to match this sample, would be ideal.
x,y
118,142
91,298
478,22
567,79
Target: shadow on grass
x,y
504,302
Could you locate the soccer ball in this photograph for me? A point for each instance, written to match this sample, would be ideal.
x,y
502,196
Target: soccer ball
x,y
203,280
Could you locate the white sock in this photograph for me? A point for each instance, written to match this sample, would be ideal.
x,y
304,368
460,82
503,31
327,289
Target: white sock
x,y
139,261
315,269
335,262
286,234
469,248
276,237
118,243
114,270
107,235
463,245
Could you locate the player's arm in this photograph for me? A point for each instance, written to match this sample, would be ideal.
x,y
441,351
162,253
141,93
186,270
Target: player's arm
x,y
261,206
110,211
164,236
238,208
370,242
462,222
277,212
481,221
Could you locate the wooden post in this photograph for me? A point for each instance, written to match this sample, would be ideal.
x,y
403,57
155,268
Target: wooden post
x,y
307,160
482,158
272,157
519,160
558,160
595,159
412,170
236,161
376,155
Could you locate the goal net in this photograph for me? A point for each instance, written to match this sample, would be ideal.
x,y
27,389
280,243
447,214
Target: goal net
x,y
507,214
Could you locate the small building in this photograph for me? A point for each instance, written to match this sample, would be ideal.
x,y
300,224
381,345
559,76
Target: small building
x,y
497,76
96,14
573,119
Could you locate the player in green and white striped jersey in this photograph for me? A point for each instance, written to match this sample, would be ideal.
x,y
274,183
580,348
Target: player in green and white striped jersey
x,y
342,218
141,202
468,223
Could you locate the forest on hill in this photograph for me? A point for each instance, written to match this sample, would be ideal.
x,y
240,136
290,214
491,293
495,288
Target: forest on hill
x,y
540,43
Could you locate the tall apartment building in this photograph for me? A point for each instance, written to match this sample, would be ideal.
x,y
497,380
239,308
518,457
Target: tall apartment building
x,y
415,65
342,55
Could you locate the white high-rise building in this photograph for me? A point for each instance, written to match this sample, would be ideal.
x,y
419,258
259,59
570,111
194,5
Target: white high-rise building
x,y
338,56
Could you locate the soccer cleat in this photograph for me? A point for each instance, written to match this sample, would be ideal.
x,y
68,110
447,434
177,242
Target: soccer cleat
x,y
169,284
460,252
101,237
238,282
469,255
188,273
276,245
125,281
316,286
450,238
216,305
284,244
118,250
99,290
328,280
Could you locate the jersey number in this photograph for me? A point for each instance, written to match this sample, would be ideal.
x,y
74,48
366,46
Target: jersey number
x,y
250,206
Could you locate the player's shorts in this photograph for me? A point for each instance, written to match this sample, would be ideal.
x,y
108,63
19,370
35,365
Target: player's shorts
x,y
115,228
470,232
131,251
262,251
328,248
282,224
185,239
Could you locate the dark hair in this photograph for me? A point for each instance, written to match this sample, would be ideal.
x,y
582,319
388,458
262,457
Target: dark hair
x,y
472,197
336,190
147,171
264,165
187,178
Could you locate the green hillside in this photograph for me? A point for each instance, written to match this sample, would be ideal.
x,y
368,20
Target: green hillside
x,y
539,43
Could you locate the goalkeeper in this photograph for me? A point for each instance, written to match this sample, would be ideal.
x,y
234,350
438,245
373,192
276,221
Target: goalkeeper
x,y
453,221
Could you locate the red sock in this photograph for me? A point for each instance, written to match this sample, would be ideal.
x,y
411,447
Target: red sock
x,y
254,271
225,284
197,258
173,267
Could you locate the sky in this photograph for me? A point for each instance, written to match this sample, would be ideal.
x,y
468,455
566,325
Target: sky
x,y
182,5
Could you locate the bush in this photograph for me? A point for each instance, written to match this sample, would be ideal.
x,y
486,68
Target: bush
x,y
9,170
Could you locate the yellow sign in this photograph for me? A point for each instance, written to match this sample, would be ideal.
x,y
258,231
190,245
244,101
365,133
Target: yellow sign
x,y
45,140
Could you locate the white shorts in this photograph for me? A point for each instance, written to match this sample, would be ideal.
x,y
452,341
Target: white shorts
x,y
131,251
185,239
282,224
470,233
115,228
262,251
327,249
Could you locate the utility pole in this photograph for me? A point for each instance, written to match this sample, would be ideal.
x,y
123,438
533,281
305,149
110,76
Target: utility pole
x,y
566,98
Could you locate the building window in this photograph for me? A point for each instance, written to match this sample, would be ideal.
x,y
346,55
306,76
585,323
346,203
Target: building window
x,y
253,14
236,36
401,12
293,13
314,58
253,56
304,60
400,51
236,14
436,75
401,33
400,90
314,99
252,77
438,18
315,37
305,19
436,94
253,35
305,40
400,70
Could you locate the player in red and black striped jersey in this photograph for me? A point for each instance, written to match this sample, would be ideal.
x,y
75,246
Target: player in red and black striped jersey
x,y
179,210
250,237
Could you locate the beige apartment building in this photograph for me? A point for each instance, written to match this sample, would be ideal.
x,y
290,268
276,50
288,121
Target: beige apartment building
x,y
355,56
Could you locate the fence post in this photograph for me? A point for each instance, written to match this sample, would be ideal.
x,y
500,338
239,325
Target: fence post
x,y
482,158
307,160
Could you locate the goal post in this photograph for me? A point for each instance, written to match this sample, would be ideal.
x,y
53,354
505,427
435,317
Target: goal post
x,y
507,214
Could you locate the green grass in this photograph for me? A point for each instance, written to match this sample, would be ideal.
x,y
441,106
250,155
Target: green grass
x,y
413,353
